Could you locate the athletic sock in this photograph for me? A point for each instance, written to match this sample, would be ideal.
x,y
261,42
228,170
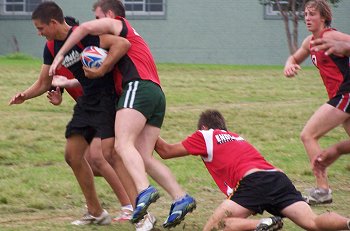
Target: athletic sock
x,y
127,207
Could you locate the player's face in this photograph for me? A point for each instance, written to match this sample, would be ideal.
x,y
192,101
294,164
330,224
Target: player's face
x,y
314,21
99,13
44,29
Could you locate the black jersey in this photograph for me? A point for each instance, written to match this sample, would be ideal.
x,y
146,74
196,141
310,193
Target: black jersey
x,y
73,63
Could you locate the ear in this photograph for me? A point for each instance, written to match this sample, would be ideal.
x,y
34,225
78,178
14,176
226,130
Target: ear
x,y
54,22
204,127
110,14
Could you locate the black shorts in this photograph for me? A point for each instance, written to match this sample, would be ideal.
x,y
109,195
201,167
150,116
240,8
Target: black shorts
x,y
270,191
93,116
342,102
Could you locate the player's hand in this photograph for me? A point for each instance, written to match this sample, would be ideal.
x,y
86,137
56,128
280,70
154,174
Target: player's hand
x,y
318,169
17,99
327,157
57,62
291,70
55,96
330,46
93,73
60,81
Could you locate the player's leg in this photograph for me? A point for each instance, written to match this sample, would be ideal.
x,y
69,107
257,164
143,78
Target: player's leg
x,y
124,176
182,203
322,121
231,216
156,169
346,126
134,107
128,125
100,164
74,155
302,215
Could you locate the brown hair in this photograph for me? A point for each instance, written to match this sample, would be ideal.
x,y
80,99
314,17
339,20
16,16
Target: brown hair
x,y
47,11
211,119
116,6
323,7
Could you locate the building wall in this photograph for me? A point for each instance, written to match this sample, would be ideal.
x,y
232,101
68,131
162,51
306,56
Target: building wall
x,y
196,31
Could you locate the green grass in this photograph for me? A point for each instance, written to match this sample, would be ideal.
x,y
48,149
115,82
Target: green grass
x,y
38,190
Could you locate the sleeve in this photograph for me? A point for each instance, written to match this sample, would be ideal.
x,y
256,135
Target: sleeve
x,y
195,144
47,56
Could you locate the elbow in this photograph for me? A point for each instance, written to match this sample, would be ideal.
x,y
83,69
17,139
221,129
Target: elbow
x,y
163,153
126,45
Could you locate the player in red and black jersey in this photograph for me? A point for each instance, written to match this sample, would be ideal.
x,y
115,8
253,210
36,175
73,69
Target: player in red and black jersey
x,y
140,113
252,185
93,114
335,74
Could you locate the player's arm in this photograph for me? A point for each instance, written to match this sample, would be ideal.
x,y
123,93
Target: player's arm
x,y
41,85
63,82
94,27
117,47
293,62
167,151
331,154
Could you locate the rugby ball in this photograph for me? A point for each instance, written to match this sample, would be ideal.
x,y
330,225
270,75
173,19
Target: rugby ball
x,y
93,56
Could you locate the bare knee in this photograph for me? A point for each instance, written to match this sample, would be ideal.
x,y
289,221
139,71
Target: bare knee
x,y
305,136
71,159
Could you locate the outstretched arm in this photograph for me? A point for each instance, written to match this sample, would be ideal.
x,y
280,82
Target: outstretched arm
x,y
331,154
94,27
167,151
41,85
292,66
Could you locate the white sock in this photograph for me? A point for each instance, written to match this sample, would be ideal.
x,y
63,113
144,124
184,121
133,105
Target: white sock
x,y
127,207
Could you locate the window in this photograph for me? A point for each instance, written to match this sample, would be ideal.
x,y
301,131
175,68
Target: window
x,y
145,9
18,9
271,10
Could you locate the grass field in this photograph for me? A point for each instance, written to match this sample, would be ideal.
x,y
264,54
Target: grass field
x,y
39,192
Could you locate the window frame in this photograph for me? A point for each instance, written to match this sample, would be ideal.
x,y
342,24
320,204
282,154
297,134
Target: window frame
x,y
269,13
144,14
24,14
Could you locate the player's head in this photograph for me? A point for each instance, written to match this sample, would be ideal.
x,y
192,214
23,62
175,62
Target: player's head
x,y
47,17
108,8
71,21
211,119
323,8
48,11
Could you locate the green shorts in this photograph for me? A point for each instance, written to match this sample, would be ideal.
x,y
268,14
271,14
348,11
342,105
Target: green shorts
x,y
146,97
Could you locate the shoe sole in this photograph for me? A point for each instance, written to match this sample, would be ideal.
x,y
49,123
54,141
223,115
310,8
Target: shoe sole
x,y
143,211
178,220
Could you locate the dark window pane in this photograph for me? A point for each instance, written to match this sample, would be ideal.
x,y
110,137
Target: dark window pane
x,y
154,5
133,7
32,4
11,1
14,8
